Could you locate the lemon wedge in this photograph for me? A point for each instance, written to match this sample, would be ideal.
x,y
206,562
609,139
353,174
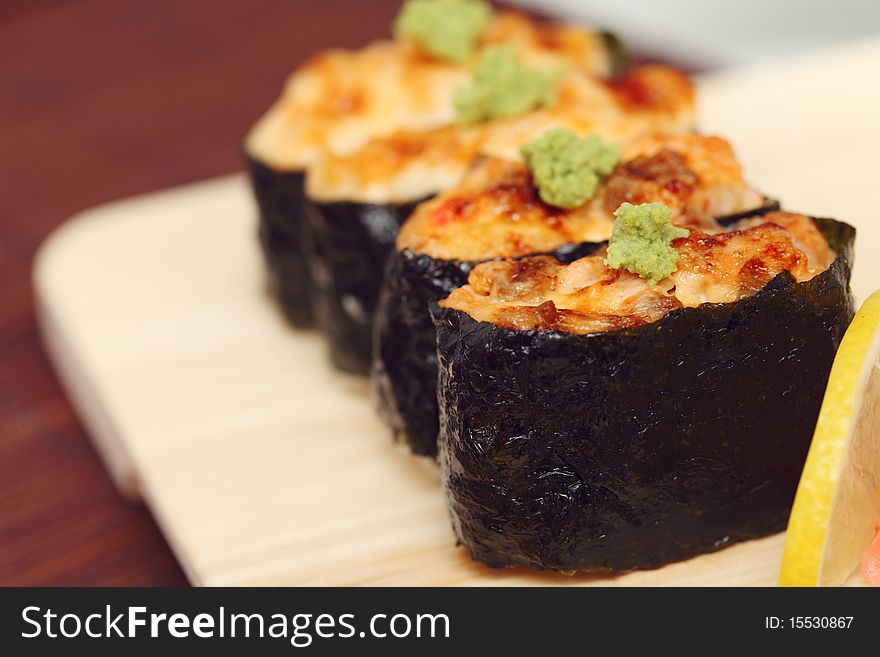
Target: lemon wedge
x,y
837,505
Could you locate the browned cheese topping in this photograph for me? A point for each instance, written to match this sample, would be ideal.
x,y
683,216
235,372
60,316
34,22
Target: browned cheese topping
x,y
409,164
340,99
588,297
496,212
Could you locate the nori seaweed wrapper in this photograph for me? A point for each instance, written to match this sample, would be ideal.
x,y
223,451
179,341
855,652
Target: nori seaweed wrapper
x,y
404,372
281,201
637,447
618,55
768,205
348,244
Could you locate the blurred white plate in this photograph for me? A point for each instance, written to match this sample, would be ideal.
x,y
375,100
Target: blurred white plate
x,y
724,32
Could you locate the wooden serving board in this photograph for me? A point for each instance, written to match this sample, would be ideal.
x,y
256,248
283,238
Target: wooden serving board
x,y
264,466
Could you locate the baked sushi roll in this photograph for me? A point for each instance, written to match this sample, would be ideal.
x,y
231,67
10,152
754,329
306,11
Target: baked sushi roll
x,y
340,99
596,419
358,201
497,212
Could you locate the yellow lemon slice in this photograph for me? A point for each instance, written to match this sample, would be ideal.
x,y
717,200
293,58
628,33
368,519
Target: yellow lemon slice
x,y
837,505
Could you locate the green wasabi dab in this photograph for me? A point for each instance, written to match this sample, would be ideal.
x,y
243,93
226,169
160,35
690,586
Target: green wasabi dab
x,y
566,169
445,29
641,241
503,88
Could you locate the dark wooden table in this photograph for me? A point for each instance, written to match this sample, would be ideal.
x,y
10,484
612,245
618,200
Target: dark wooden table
x,y
102,99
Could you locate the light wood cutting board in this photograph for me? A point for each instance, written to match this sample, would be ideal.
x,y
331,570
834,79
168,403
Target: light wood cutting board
x,y
264,466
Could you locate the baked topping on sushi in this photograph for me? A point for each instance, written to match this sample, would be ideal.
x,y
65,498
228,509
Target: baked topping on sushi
x,y
340,99
541,43
496,210
591,295
410,164
587,104
405,166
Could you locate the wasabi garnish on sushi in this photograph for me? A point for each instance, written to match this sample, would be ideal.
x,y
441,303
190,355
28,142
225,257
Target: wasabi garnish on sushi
x,y
566,169
445,29
641,241
503,88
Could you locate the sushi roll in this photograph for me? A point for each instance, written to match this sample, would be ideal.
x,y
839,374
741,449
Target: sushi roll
x,y
340,99
644,404
496,212
358,201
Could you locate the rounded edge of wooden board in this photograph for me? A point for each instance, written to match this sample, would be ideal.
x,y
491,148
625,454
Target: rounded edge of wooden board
x,y
48,264
97,422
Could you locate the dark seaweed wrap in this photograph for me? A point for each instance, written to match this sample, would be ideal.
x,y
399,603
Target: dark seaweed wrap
x,y
348,244
404,370
281,201
637,447
617,53
767,205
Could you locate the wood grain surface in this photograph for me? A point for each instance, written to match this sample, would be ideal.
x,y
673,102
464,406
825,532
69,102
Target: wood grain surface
x,y
102,99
